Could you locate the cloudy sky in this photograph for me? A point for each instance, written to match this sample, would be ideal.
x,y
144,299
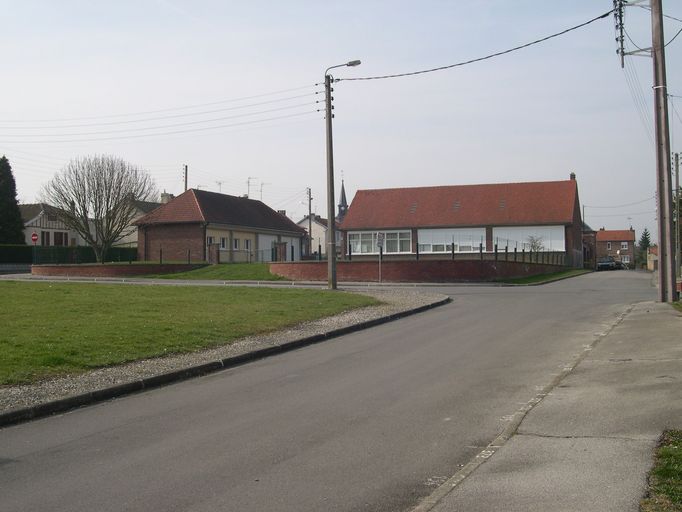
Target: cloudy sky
x,y
229,88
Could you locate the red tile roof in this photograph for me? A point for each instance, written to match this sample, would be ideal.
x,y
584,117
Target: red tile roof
x,y
615,235
500,204
210,207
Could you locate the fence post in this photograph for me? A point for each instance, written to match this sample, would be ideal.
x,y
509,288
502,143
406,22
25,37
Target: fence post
x,y
189,258
515,251
480,250
495,252
417,253
160,256
350,252
452,250
506,253
293,252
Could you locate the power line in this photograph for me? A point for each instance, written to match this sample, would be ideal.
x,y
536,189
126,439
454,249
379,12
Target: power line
x,y
479,59
174,116
161,127
623,205
175,132
674,37
646,7
170,109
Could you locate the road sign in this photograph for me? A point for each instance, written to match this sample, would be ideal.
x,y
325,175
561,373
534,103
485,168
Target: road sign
x,y
34,237
380,239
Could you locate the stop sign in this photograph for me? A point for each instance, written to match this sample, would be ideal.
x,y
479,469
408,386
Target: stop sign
x,y
34,237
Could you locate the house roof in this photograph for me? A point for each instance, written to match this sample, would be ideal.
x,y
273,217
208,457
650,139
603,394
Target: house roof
x,y
616,235
147,206
31,211
210,207
500,204
315,218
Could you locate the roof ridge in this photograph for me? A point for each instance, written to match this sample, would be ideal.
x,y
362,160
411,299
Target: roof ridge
x,y
423,187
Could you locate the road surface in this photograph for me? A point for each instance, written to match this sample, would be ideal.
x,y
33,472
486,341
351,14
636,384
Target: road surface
x,y
369,421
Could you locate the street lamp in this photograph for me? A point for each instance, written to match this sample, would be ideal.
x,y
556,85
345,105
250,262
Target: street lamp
x,y
331,217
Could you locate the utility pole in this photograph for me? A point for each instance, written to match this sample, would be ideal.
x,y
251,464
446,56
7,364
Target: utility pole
x,y
185,175
220,186
678,263
331,228
666,267
310,222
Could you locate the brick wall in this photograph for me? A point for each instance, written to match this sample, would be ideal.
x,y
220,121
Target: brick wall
x,y
422,271
99,270
174,240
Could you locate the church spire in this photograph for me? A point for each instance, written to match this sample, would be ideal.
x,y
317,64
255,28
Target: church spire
x,y
343,204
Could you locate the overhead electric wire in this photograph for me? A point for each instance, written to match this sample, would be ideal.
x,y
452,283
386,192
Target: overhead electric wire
x,y
174,116
646,7
175,132
638,99
622,205
170,109
479,59
633,43
161,127
674,37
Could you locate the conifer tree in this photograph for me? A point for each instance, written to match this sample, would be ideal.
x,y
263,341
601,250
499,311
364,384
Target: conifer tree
x,y
11,225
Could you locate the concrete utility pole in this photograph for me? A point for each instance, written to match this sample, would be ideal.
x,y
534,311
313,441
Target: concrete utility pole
x,y
678,263
331,217
666,267
185,173
310,222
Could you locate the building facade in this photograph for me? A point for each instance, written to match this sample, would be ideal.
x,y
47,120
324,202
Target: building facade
x,y
206,226
448,221
619,244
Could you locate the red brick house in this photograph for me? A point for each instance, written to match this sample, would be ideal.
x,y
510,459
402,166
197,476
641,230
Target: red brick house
x,y
206,226
440,222
617,243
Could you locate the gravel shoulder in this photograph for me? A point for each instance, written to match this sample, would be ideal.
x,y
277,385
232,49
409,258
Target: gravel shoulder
x,y
21,396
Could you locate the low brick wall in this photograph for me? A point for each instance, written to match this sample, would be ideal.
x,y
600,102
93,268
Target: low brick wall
x,y
433,271
99,270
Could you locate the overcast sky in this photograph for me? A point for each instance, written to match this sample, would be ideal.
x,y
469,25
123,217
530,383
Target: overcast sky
x,y
230,85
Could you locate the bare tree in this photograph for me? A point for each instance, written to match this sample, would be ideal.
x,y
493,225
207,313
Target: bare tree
x,y
535,243
95,196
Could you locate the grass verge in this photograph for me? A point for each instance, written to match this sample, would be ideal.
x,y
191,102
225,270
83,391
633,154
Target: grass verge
x,y
227,272
58,328
665,479
546,278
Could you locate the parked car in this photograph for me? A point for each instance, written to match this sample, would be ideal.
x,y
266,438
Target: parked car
x,y
606,263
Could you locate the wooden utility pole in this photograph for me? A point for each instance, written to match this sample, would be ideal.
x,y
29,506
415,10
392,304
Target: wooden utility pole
x,y
666,267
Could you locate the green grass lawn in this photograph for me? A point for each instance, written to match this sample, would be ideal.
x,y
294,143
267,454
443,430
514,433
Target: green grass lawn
x,y
546,278
665,479
57,328
227,272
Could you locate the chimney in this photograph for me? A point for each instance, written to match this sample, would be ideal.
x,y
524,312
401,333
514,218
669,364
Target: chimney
x,y
282,212
166,197
572,176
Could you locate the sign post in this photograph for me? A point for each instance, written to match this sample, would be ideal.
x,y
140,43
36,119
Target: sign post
x,y
380,245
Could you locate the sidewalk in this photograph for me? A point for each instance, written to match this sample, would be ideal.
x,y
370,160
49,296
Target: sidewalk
x,y
588,444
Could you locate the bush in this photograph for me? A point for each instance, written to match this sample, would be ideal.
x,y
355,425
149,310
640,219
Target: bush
x,y
43,255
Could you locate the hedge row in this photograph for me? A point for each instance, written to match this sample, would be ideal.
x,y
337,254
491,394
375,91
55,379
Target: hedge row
x,y
40,254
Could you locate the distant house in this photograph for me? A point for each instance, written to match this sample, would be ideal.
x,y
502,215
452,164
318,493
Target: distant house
x,y
42,219
620,244
652,258
142,208
317,237
435,222
206,226
589,247
318,240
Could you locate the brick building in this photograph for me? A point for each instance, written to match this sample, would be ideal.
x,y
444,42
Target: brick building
x,y
463,220
206,226
620,244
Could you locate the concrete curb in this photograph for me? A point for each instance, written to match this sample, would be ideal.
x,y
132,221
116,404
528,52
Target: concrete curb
x,y
25,414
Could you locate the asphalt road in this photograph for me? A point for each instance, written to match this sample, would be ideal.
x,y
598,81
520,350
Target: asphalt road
x,y
369,421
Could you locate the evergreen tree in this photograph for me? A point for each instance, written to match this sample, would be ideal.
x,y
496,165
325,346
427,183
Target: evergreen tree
x,y
11,225
645,240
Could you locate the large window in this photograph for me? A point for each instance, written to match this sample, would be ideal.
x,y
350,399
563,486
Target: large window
x,y
395,242
447,240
